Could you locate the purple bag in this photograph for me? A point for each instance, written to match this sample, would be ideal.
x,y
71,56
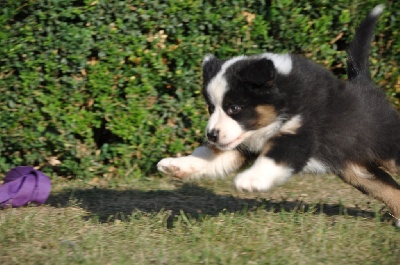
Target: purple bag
x,y
23,185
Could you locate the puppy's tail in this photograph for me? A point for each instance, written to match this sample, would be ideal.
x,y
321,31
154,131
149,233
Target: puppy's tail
x,y
358,52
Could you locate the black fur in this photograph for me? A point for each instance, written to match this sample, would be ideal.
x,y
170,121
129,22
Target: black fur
x,y
289,115
341,121
357,65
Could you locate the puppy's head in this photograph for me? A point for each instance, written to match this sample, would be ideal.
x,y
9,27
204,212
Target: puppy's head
x,y
242,96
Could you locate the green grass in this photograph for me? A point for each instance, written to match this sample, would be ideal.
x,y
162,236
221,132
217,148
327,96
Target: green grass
x,y
309,220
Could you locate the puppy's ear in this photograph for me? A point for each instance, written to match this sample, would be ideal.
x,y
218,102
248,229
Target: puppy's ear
x,y
260,73
211,66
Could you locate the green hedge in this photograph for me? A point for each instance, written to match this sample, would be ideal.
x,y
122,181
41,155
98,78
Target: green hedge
x,y
106,88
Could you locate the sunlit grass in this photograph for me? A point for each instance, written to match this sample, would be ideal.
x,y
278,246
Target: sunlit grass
x,y
159,221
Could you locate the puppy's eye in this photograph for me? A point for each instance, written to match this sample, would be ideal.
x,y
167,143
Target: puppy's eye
x,y
233,109
211,109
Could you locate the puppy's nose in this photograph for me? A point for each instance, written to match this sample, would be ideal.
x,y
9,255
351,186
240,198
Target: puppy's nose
x,y
213,135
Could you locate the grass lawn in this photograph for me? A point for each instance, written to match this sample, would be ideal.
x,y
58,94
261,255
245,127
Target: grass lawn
x,y
309,220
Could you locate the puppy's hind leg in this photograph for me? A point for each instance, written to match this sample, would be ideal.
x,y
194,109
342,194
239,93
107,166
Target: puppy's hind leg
x,y
372,180
390,166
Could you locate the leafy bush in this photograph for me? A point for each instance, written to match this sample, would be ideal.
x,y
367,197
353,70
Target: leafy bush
x,y
106,88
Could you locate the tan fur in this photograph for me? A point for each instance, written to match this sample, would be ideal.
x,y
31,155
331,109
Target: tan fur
x,y
267,146
266,115
375,182
390,166
215,150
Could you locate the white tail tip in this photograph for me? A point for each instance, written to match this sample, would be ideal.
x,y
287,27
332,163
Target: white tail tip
x,y
207,58
377,10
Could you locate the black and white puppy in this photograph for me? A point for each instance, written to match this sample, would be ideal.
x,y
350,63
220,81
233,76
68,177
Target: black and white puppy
x,y
286,114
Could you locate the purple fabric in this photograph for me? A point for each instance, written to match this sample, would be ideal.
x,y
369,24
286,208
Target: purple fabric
x,y
23,185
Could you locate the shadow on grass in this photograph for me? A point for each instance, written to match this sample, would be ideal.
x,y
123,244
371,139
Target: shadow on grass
x,y
195,201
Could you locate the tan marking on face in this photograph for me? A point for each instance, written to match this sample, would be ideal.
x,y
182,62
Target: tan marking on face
x,y
376,183
266,115
214,149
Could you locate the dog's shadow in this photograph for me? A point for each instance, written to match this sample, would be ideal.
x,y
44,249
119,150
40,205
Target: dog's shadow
x,y
193,200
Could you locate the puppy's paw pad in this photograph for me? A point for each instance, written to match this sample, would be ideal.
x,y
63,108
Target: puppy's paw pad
x,y
167,166
175,167
168,169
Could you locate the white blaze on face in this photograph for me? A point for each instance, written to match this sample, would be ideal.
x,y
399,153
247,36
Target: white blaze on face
x,y
229,129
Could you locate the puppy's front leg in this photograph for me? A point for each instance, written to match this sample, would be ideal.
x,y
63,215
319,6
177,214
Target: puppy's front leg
x,y
204,161
282,156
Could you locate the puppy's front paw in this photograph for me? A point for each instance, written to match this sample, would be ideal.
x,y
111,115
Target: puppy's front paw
x,y
248,181
262,176
167,167
180,167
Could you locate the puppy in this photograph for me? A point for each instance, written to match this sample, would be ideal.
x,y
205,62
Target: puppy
x,y
286,114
